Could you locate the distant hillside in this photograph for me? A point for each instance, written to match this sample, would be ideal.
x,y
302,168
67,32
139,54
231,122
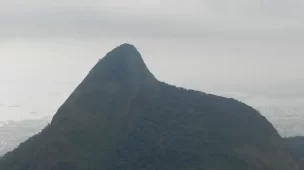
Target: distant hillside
x,y
122,118
296,146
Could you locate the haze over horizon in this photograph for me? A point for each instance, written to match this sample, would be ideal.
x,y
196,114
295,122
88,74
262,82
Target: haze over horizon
x,y
241,47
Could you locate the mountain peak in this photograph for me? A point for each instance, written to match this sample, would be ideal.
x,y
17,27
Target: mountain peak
x,y
121,70
123,65
124,53
125,46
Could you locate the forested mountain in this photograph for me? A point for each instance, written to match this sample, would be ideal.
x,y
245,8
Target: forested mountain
x,y
296,146
122,118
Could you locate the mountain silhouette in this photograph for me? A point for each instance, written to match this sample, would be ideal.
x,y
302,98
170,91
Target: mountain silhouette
x,y
121,117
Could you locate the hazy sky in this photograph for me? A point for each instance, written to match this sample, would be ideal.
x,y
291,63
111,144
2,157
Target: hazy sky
x,y
253,46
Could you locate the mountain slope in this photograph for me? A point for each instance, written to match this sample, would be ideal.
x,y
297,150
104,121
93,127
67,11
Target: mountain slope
x,y
14,132
121,118
296,146
285,113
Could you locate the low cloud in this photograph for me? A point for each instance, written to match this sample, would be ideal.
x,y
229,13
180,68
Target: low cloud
x,y
151,19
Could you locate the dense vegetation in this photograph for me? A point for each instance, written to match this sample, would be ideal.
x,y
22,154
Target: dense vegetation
x,y
296,146
121,118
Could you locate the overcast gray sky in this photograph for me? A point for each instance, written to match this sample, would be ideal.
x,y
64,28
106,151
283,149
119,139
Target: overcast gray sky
x,y
251,46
